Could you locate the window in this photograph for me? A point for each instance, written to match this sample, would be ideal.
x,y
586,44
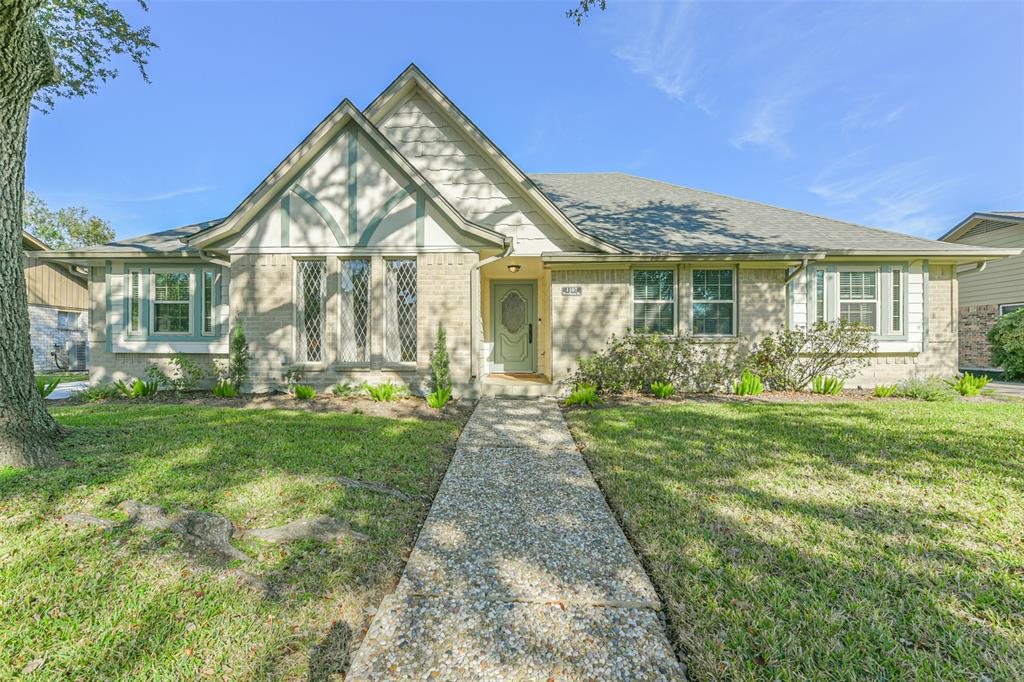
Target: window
x,y
1007,308
896,316
354,314
714,302
67,320
310,281
654,306
172,302
858,297
400,310
134,301
208,290
819,295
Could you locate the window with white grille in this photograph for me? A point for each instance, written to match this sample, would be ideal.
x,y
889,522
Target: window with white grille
x,y
310,291
67,319
135,301
654,301
208,284
896,319
400,310
714,302
819,296
172,302
354,311
858,297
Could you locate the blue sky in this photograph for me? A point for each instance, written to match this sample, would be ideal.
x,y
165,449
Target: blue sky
x,y
902,115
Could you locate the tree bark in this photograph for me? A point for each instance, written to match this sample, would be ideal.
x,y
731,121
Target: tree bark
x,y
28,434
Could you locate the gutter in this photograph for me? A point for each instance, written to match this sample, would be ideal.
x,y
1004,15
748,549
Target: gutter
x,y
558,257
796,273
974,268
212,259
474,300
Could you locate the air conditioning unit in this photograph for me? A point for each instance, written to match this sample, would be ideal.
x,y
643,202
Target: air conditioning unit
x,y
77,354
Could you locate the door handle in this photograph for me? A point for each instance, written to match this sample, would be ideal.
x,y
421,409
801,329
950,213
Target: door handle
x,y
530,333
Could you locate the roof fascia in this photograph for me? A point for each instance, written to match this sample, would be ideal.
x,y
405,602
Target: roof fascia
x,y
413,77
965,225
34,241
583,257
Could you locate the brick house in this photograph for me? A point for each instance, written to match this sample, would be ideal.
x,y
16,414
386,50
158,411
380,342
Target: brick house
x,y
58,310
388,222
987,290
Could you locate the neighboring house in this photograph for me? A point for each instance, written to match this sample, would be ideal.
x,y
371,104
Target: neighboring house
x,y
386,223
58,310
988,290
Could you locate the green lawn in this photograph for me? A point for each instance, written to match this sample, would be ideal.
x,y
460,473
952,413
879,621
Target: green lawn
x,y
64,377
865,540
129,604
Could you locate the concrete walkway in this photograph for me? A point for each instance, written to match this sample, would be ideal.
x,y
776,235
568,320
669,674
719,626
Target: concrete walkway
x,y
66,389
1007,389
520,572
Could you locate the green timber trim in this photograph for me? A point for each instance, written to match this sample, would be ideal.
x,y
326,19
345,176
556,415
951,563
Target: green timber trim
x,y
146,296
927,310
286,219
353,182
107,279
382,213
421,217
321,211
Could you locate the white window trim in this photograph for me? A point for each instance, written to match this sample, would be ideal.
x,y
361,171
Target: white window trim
x,y
214,281
735,298
142,299
824,296
674,300
1003,306
369,311
896,275
153,302
877,300
322,362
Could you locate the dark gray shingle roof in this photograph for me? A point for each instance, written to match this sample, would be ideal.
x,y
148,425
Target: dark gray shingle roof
x,y
167,241
648,216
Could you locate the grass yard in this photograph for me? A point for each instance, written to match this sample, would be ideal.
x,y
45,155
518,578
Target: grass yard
x,y
130,604
861,540
64,377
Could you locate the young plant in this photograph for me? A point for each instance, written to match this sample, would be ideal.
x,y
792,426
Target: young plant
x,y
343,390
969,385
789,359
662,389
225,389
585,395
304,392
749,384
45,388
97,392
238,356
439,398
137,388
440,371
885,390
185,374
932,389
827,385
292,377
383,393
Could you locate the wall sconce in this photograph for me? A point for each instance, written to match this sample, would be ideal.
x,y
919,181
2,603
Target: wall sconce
x,y
514,268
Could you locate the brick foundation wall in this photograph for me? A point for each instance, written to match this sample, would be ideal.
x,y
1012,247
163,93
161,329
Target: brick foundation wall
x,y
975,322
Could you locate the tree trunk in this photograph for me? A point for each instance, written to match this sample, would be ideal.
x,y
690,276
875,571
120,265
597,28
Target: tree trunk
x,y
28,434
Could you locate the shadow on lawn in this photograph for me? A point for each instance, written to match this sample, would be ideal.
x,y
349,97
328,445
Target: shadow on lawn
x,y
788,540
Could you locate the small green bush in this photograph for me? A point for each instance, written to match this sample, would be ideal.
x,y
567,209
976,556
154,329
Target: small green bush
x,y
932,389
304,392
45,388
292,377
138,388
662,389
185,374
789,359
970,385
238,356
585,395
225,389
343,390
440,370
885,390
439,397
98,392
382,393
827,385
749,384
1007,339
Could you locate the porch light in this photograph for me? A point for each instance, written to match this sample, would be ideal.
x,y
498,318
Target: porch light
x,y
514,268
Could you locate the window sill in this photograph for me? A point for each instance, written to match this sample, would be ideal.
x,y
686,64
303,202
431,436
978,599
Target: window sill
x,y
352,366
399,366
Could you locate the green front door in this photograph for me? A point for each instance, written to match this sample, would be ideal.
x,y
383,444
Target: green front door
x,y
513,307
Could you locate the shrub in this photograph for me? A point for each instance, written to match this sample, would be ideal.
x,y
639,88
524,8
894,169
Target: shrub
x,y
925,389
225,389
97,392
970,385
293,376
137,388
1007,339
304,392
185,374
382,393
634,362
45,388
749,384
789,359
238,356
343,390
440,372
585,395
827,385
885,390
662,389
439,397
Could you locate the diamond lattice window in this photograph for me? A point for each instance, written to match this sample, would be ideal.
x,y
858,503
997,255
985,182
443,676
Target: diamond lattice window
x,y
355,311
310,280
400,310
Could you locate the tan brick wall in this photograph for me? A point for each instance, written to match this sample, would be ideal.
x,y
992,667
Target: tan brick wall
x,y
580,325
975,323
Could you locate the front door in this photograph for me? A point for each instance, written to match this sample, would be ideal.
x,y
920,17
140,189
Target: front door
x,y
513,306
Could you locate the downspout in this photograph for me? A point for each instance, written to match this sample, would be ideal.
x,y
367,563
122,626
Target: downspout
x,y
974,268
474,300
211,259
796,273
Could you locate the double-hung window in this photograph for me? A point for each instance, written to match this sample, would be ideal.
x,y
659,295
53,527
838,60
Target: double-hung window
x,y
172,302
714,302
654,301
67,319
135,301
310,292
209,279
354,311
819,295
858,297
896,301
1007,308
400,310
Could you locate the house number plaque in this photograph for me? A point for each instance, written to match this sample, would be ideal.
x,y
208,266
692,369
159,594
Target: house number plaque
x,y
572,291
